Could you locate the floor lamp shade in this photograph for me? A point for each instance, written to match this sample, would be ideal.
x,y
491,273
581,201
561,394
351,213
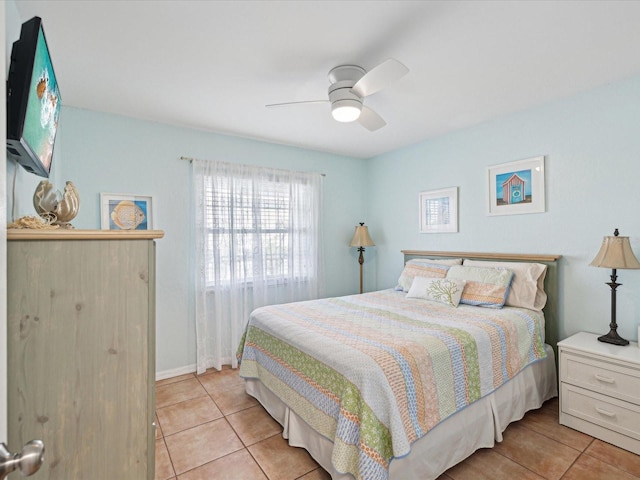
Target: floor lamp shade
x,y
361,239
615,253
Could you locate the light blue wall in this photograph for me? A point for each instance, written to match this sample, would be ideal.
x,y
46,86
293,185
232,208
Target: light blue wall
x,y
592,147
109,153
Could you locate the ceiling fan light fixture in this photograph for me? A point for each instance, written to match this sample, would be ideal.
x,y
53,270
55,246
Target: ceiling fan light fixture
x,y
346,110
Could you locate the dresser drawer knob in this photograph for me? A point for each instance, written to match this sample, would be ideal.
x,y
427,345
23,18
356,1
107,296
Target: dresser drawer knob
x,y
604,379
605,412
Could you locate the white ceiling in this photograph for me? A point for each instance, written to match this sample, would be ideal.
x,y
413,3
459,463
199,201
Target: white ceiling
x,y
213,65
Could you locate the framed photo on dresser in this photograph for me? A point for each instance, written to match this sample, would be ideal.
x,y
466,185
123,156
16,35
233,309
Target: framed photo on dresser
x,y
126,212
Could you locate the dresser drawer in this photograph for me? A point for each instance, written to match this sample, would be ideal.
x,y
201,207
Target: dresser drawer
x,y
607,412
599,375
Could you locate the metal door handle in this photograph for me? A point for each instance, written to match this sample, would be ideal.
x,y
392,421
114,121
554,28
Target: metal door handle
x,y
27,462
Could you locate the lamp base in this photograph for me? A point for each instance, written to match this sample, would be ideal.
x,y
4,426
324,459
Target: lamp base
x,y
613,338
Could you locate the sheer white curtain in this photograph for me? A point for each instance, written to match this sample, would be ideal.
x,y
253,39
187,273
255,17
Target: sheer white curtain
x,y
257,242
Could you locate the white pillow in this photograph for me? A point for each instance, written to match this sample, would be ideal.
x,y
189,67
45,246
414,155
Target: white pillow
x,y
443,290
527,286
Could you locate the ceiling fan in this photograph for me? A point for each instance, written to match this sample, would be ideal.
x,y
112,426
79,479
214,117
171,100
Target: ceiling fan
x,y
350,84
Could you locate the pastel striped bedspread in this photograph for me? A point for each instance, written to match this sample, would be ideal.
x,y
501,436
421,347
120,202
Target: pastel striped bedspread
x,y
375,372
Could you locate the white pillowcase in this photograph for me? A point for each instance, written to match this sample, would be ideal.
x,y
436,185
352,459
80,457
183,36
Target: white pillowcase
x,y
438,261
527,286
443,290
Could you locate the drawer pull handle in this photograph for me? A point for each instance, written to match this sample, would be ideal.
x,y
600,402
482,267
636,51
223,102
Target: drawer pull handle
x,y
605,412
605,379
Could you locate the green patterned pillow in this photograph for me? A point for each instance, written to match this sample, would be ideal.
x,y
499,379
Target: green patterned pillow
x,y
485,287
443,290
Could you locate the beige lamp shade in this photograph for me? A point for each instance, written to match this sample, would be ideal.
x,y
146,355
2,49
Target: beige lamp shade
x,y
615,252
361,237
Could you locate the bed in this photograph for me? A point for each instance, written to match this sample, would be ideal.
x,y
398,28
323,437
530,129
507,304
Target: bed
x,y
386,385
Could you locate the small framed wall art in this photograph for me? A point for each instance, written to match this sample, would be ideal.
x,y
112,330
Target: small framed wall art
x,y
516,187
439,211
126,212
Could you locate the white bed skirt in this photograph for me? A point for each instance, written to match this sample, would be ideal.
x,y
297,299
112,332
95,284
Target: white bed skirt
x,y
479,425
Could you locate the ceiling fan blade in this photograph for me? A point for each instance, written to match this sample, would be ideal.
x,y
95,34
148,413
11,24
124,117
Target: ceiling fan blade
x,y
370,119
295,103
379,77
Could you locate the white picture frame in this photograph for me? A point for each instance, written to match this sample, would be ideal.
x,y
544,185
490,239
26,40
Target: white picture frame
x,y
516,187
438,211
120,211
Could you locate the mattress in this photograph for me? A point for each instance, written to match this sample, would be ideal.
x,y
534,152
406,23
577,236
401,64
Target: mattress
x,y
361,381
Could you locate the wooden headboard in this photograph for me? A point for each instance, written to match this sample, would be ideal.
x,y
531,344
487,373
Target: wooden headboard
x,y
550,281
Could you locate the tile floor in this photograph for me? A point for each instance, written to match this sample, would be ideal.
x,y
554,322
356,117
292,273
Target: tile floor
x,y
209,429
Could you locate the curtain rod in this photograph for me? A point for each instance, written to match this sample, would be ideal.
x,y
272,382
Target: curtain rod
x,y
191,159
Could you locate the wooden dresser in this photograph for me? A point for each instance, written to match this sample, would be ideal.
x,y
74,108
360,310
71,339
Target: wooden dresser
x,y
81,350
600,389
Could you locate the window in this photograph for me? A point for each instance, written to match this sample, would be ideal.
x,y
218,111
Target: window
x,y
256,228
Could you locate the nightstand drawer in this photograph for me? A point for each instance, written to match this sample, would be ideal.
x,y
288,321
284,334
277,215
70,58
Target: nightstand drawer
x,y
607,412
596,374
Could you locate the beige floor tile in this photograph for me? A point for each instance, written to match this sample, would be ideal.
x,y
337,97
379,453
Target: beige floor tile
x,y
239,465
623,459
317,474
486,464
179,378
590,468
232,399
546,457
280,461
221,380
187,414
546,422
164,469
178,392
253,425
192,448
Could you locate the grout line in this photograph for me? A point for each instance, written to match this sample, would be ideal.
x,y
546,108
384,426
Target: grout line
x,y
508,458
173,468
550,437
570,466
607,460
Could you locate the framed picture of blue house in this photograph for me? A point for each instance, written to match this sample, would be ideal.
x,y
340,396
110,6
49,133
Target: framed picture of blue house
x,y
517,187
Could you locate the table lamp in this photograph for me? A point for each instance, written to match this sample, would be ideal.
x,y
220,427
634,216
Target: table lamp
x,y
615,253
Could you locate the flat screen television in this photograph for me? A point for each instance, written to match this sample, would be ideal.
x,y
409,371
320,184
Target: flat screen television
x,y
33,101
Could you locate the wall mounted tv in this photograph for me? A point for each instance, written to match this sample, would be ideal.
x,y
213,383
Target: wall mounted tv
x,y
33,101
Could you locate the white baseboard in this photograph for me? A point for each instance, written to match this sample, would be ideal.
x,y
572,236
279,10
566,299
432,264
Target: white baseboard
x,y
176,372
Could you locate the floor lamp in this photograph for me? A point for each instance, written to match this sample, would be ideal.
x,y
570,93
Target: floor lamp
x,y
615,253
361,239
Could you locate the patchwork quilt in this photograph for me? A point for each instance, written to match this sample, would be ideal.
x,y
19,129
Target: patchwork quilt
x,y
375,372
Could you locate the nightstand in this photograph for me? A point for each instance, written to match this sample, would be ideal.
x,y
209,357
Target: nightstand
x,y
600,389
